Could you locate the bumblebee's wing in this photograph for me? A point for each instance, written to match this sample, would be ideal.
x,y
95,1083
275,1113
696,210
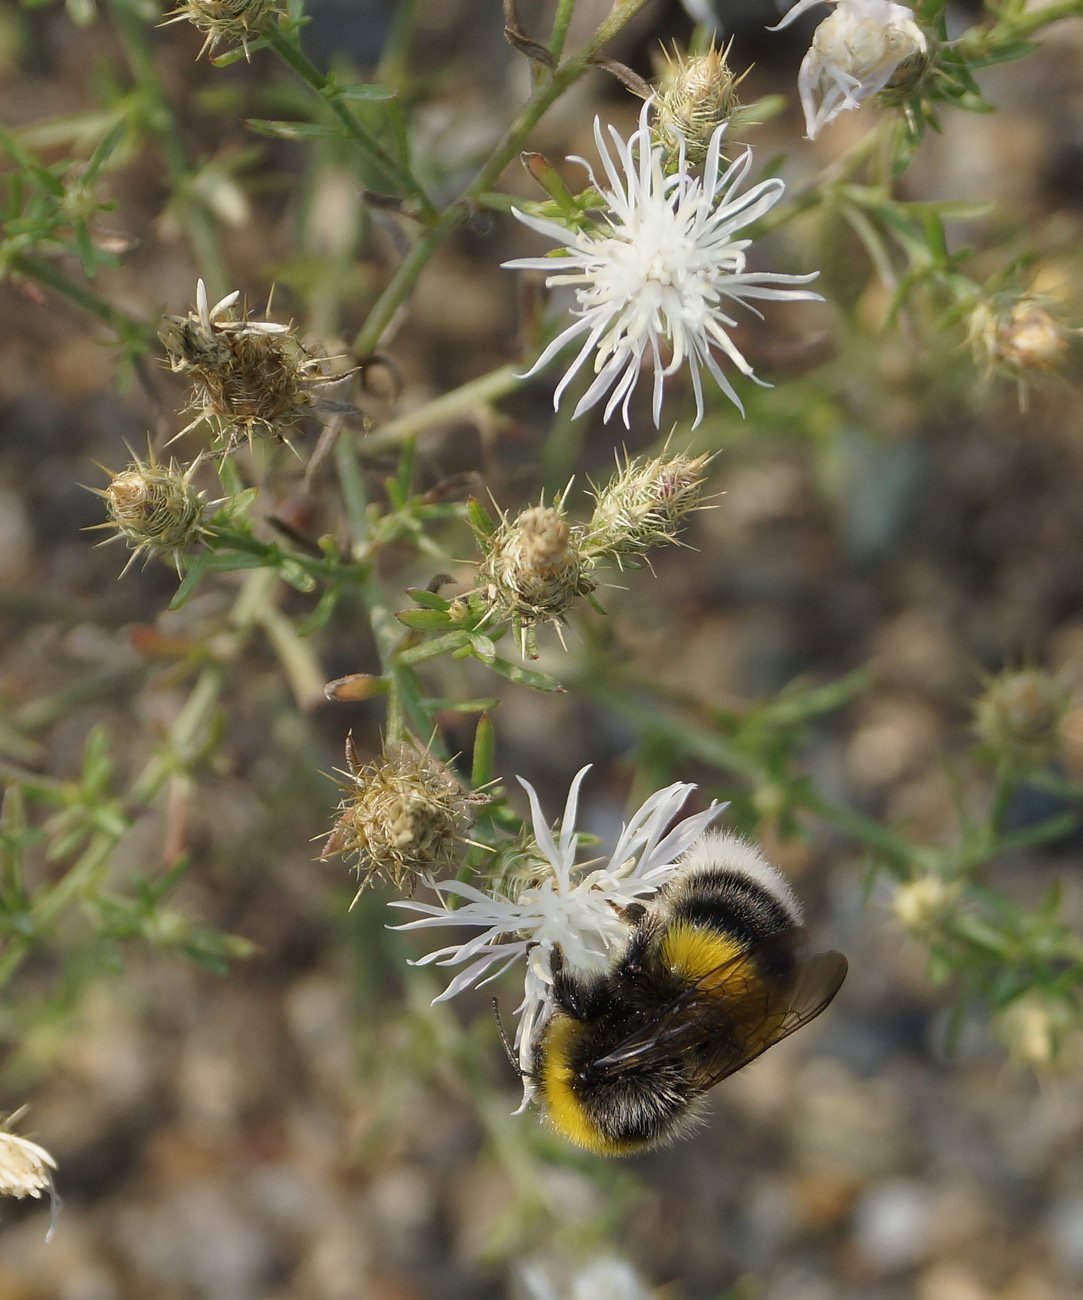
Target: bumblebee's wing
x,y
733,1013
768,1020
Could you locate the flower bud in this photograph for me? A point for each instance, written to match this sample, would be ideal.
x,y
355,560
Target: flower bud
x,y
250,379
1016,337
855,52
924,903
227,20
1032,1027
404,815
154,508
696,94
1019,716
644,504
533,569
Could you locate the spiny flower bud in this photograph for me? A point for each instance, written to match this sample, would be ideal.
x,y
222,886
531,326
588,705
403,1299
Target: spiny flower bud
x,y
154,508
1016,337
227,20
404,815
251,379
644,504
1019,716
922,904
533,569
696,94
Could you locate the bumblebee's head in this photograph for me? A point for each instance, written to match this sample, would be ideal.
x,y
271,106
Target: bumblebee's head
x,y
614,1112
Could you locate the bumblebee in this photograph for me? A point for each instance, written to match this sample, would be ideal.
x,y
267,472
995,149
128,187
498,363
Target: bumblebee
x,y
714,972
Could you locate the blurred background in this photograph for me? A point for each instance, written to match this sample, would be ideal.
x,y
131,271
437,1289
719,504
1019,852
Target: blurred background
x,y
306,1126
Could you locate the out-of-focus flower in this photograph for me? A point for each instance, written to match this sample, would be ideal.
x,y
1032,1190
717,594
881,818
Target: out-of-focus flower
x,y
1034,1026
154,508
1019,715
855,52
697,94
404,815
657,276
925,902
227,20
601,1279
577,907
250,379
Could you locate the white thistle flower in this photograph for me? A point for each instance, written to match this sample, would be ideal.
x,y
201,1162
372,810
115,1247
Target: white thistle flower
x,y
855,52
659,270
575,907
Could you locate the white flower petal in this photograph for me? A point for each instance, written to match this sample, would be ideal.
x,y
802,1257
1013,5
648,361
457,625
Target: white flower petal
x,y
653,273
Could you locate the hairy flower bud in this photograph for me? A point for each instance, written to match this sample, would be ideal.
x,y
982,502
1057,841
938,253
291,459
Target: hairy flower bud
x,y
250,379
922,904
1016,337
404,815
154,508
533,569
227,20
1019,716
696,94
644,504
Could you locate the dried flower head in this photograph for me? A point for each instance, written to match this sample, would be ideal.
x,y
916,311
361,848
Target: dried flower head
x,y
154,508
404,815
1019,715
1017,337
250,379
227,20
644,504
855,52
658,276
697,94
533,570
926,902
26,1169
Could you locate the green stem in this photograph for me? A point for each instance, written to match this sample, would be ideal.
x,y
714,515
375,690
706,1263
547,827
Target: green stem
x,y
353,492
392,69
541,100
199,222
467,397
565,9
391,172
126,327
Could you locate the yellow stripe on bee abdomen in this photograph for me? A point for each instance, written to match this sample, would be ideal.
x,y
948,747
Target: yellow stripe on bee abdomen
x,y
693,951
563,1108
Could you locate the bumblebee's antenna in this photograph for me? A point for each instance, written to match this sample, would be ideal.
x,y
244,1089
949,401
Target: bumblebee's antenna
x,y
512,1059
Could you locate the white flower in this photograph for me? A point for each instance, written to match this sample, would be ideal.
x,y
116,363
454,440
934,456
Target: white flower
x,y
571,906
601,1279
854,54
660,269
